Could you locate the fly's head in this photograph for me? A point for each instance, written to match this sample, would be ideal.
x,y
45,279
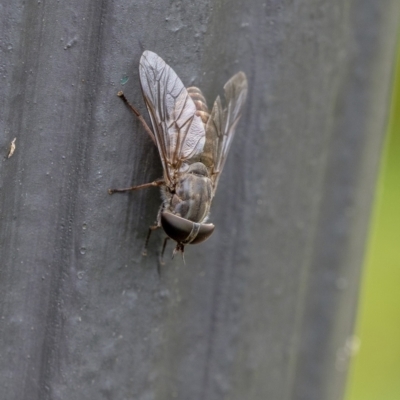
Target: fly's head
x,y
184,231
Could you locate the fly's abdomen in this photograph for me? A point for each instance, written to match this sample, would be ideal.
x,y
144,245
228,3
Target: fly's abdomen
x,y
200,102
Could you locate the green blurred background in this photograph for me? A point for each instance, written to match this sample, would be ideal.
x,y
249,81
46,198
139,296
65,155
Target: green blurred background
x,y
375,369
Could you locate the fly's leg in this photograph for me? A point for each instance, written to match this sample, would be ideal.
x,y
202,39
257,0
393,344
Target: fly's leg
x,y
161,261
140,116
159,182
146,243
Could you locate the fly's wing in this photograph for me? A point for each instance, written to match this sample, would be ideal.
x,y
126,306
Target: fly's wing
x,y
222,124
179,131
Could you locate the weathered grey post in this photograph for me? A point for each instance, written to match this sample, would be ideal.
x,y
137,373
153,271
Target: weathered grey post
x,y
263,309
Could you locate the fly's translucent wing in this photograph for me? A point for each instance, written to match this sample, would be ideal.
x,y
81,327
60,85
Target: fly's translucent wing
x,y
222,124
179,131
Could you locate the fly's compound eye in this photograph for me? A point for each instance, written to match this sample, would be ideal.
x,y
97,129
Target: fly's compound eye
x,y
184,231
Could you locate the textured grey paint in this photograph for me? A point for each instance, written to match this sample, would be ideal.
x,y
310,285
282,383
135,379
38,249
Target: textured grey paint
x,y
264,308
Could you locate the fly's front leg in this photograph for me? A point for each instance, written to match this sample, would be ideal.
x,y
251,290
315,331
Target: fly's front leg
x,y
161,260
151,229
159,182
146,243
140,116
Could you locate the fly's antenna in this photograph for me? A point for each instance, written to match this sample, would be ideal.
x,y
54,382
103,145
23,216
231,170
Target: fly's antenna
x,y
180,248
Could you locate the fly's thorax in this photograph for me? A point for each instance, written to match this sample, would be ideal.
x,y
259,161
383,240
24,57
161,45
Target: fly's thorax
x,y
192,195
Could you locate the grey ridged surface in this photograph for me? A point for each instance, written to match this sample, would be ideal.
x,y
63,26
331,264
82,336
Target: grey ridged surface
x,y
263,309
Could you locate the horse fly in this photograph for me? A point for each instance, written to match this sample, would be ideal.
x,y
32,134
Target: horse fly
x,y
193,145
